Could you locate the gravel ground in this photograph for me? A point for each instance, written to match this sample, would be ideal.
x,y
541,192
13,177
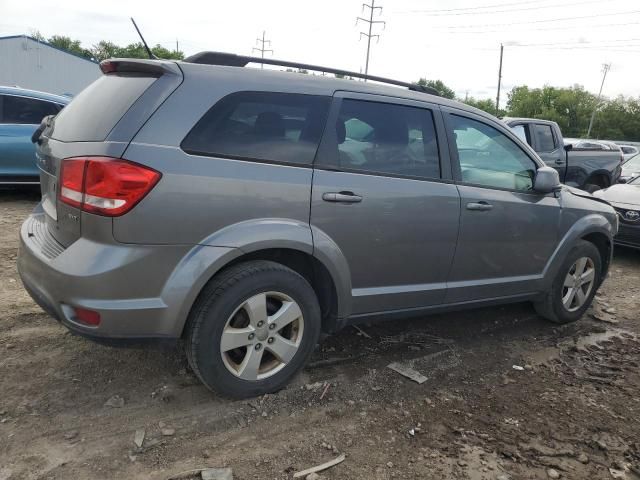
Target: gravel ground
x,y
69,409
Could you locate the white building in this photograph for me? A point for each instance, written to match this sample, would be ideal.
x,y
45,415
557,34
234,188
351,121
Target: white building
x,y
30,63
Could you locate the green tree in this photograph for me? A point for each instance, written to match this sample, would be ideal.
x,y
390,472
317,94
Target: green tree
x,y
485,104
73,46
439,85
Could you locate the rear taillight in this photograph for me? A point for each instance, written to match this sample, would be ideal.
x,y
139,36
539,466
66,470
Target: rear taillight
x,y
104,185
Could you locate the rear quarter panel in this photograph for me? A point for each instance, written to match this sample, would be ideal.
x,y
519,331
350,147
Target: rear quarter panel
x,y
584,164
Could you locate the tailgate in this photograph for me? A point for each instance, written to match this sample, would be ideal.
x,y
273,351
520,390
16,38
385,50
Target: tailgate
x,y
100,121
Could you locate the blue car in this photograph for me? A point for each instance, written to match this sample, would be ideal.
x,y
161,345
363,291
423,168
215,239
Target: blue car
x,y
21,112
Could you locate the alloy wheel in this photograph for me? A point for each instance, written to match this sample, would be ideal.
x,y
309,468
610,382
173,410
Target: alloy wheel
x,y
578,284
262,336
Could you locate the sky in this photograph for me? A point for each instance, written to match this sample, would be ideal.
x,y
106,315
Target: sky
x,y
553,42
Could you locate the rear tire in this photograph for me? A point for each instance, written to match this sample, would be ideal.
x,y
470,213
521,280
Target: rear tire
x,y
252,329
570,294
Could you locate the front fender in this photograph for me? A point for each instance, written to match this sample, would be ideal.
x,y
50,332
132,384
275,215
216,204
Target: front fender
x,y
589,224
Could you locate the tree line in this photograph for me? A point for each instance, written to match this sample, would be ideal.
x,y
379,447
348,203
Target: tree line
x,y
571,108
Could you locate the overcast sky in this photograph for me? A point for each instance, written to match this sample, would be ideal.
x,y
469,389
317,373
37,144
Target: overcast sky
x,y
555,42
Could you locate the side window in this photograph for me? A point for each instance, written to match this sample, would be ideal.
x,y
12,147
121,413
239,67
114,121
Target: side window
x,y
386,138
22,110
545,141
522,132
488,157
262,126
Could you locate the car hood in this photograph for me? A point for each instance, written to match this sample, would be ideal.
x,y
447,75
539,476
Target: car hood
x,y
583,194
621,193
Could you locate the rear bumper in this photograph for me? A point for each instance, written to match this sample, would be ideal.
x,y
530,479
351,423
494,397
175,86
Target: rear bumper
x,y
138,290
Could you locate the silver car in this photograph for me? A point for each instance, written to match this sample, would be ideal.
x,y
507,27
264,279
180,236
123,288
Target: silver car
x,y
246,211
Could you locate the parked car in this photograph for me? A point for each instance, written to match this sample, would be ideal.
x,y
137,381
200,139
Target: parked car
x,y
584,164
216,204
21,112
630,169
629,151
626,201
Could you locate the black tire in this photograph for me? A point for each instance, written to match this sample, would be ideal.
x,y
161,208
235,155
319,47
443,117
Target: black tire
x,y
592,187
217,302
551,307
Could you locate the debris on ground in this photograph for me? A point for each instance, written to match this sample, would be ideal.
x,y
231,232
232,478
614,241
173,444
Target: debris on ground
x,y
217,474
408,372
362,332
518,367
321,467
138,437
115,402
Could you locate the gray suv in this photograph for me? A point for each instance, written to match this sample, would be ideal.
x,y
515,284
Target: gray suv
x,y
247,211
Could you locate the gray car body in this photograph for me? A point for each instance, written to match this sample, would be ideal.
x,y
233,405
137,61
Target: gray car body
x,y
577,167
410,247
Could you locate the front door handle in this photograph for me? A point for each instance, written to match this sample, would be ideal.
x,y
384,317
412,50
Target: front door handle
x,y
559,161
481,206
341,197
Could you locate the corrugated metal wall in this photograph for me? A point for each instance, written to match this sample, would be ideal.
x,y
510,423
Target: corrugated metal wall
x,y
27,63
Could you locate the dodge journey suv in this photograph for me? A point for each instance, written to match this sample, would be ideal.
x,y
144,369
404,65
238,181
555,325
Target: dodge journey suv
x,y
246,212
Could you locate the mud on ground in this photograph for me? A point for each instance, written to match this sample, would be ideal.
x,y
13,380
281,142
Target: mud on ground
x,y
574,408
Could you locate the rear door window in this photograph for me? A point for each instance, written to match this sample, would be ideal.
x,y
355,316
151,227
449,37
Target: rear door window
x,y
385,138
97,109
25,110
545,140
262,126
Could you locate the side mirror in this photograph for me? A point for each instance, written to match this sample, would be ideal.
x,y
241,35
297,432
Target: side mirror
x,y
568,147
547,180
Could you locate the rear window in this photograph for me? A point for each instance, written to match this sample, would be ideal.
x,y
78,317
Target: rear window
x,y
279,127
97,109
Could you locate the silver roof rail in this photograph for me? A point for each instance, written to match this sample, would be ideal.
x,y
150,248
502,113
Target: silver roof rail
x,y
233,60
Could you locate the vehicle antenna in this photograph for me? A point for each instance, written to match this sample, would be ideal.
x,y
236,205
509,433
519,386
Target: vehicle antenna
x,y
151,55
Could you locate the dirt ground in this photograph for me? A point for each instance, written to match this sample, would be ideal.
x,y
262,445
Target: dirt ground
x,y
573,409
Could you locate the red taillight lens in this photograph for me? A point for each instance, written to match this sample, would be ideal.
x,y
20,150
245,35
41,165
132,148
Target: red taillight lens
x,y
72,179
86,316
104,185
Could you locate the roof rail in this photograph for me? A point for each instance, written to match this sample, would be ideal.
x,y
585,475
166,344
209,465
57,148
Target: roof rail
x,y
233,60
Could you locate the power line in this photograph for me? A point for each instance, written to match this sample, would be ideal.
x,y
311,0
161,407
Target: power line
x,y
548,20
547,29
262,48
372,8
480,7
487,12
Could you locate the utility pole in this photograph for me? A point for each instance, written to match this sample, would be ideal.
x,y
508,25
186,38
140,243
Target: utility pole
x,y
605,69
177,49
262,48
499,81
372,8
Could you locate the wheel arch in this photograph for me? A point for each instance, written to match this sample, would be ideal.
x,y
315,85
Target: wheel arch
x,y
287,242
594,228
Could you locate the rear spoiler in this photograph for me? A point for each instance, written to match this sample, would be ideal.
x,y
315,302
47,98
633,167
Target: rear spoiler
x,y
130,65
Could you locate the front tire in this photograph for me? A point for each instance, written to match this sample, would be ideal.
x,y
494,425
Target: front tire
x,y
252,329
574,287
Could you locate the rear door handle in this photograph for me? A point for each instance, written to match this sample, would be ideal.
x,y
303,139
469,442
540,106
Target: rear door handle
x,y
479,206
341,197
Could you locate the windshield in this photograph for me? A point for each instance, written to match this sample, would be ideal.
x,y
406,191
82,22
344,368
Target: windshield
x,y
632,164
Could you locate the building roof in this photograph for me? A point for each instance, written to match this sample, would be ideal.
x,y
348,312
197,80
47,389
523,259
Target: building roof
x,y
47,44
23,92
